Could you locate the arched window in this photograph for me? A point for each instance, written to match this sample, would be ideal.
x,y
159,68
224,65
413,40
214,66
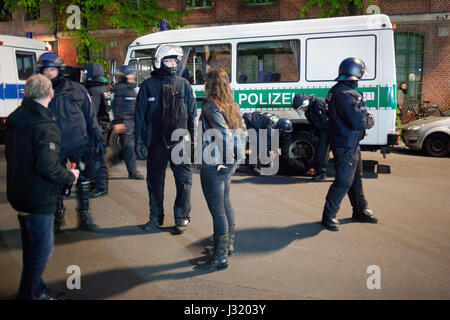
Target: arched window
x,y
409,60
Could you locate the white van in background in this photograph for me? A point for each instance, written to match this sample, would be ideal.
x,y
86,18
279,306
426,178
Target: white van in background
x,y
269,63
18,61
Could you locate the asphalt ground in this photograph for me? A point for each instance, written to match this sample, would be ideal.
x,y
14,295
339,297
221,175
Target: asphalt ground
x,y
282,251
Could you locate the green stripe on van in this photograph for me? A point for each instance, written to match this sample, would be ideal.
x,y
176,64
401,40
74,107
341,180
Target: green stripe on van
x,y
376,97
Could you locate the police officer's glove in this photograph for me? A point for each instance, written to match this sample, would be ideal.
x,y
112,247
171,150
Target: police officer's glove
x,y
140,149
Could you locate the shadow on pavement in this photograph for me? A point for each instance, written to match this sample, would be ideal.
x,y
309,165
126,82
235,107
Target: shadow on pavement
x,y
269,239
105,284
72,235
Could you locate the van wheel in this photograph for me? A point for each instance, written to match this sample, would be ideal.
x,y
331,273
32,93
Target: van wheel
x,y
299,151
116,146
437,144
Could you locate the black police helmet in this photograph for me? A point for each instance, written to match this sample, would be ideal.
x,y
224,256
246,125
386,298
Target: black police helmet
x,y
284,124
302,100
351,69
93,70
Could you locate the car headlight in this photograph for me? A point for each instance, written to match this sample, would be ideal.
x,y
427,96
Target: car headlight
x,y
416,127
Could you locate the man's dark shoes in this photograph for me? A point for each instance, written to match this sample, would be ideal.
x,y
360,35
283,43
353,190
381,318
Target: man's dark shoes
x,y
152,227
319,177
365,216
181,224
331,224
136,176
97,193
51,295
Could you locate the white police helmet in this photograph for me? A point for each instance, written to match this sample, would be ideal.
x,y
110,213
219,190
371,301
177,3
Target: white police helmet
x,y
167,50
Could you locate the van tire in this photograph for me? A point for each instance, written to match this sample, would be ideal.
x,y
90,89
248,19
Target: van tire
x,y
299,150
116,146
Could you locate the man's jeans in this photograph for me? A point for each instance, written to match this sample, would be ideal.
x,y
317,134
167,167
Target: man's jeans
x,y
216,189
348,166
157,161
37,245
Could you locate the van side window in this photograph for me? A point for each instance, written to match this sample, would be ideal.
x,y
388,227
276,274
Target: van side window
x,y
268,61
26,64
322,66
198,60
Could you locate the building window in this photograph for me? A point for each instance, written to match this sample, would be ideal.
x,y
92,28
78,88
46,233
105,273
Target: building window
x,y
198,4
259,2
271,61
26,64
409,62
32,13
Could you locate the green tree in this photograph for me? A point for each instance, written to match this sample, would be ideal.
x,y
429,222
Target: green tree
x,y
143,16
333,8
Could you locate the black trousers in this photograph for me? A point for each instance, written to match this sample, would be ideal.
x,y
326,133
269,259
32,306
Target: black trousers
x,y
323,149
157,160
348,166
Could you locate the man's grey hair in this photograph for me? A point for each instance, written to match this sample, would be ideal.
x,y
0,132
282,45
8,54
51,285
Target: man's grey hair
x,y
38,87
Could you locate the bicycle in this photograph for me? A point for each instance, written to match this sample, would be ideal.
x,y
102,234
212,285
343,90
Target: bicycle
x,y
426,110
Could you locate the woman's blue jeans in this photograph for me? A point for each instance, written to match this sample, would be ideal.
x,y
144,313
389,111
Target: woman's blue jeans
x,y
216,189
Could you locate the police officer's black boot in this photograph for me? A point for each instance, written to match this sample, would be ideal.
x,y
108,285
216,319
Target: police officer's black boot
x,y
218,260
101,187
365,215
331,223
59,215
85,221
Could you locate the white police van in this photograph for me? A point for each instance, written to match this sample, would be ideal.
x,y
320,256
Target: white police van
x,y
269,63
18,61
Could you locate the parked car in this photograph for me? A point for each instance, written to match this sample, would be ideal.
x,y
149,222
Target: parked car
x,y
432,135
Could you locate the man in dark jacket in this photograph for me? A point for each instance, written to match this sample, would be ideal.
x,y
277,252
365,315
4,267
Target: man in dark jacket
x,y
265,121
348,120
95,84
165,103
34,180
124,117
76,118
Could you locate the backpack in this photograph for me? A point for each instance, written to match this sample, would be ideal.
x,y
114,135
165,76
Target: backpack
x,y
316,114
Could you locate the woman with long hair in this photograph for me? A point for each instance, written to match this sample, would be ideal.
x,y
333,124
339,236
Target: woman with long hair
x,y
223,150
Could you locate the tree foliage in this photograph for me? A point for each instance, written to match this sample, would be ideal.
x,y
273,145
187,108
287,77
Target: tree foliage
x,y
143,16
334,8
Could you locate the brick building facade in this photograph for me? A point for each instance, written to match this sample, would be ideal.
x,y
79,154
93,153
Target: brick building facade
x,y
422,27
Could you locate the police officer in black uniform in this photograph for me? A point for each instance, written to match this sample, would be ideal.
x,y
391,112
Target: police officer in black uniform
x,y
264,120
95,84
348,120
124,111
76,118
165,103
